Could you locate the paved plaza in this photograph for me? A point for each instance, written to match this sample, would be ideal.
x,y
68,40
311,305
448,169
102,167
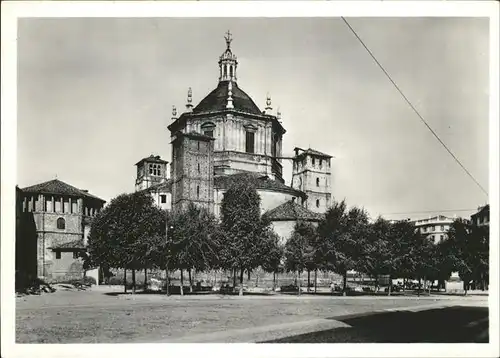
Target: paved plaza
x,y
104,315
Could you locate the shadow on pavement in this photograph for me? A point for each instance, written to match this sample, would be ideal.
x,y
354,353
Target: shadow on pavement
x,y
449,325
177,293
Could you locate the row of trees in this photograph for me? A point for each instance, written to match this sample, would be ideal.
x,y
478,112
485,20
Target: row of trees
x,y
133,234
346,240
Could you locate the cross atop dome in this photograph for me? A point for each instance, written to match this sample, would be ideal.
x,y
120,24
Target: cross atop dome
x,y
227,61
228,38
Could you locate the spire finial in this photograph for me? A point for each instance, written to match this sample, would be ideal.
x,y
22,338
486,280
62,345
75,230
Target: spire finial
x,y
228,38
189,104
174,113
268,104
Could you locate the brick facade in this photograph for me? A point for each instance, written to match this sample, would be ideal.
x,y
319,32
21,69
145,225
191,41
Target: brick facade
x,y
192,171
53,229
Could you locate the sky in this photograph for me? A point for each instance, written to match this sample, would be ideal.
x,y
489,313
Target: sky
x,y
95,96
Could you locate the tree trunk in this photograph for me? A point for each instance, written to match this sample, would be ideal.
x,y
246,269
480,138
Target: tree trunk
x,y
182,282
298,274
133,281
315,280
248,273
418,288
376,283
257,279
344,288
167,282
274,280
145,279
234,277
390,285
190,281
308,280
241,282
466,287
125,279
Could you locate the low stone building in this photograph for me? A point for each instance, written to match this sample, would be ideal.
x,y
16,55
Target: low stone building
x,y
285,216
54,223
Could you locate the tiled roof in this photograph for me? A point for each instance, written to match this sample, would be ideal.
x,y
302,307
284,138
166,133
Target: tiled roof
x,y
75,244
312,152
152,159
166,185
259,180
60,188
217,100
292,211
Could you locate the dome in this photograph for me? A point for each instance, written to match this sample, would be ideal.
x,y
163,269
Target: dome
x,y
217,100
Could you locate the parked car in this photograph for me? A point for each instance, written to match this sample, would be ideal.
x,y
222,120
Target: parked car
x,y
394,288
289,288
227,288
336,288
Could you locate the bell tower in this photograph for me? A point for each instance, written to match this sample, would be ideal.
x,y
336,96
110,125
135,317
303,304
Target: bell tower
x,y
312,175
192,170
150,171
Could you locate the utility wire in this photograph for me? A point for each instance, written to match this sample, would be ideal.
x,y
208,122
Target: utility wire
x,y
413,108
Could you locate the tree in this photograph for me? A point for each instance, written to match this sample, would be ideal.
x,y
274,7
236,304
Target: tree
x,y
119,230
341,238
423,251
329,227
467,251
400,256
243,241
374,258
193,241
299,249
273,254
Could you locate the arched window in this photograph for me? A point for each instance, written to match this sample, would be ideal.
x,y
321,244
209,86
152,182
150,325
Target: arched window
x,y
313,161
208,128
225,70
198,167
197,191
317,203
61,224
231,71
317,181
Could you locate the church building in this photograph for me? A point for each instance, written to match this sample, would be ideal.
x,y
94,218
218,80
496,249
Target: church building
x,y
225,138
52,226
